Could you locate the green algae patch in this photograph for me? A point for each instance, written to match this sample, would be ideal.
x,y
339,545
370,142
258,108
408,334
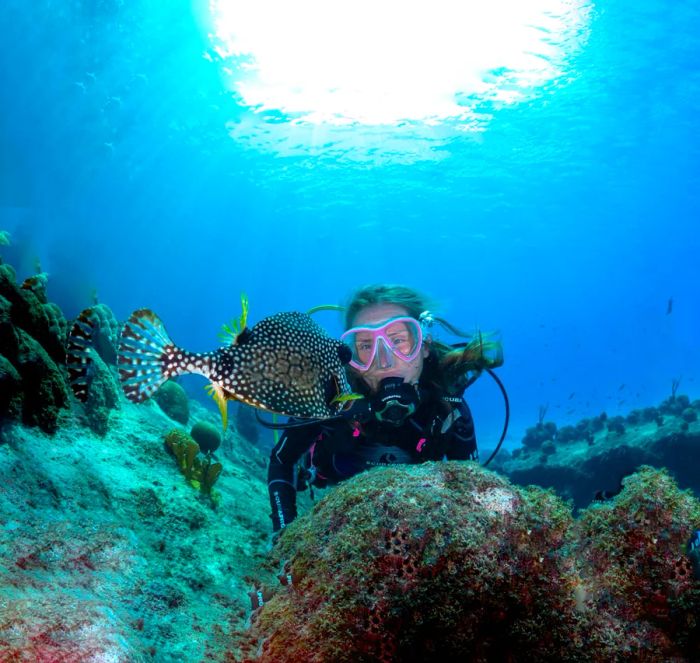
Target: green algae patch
x,y
200,471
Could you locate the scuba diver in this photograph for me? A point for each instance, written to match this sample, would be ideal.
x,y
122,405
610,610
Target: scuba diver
x,y
409,405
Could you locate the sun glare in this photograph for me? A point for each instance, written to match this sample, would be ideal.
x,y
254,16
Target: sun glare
x,y
388,62
384,61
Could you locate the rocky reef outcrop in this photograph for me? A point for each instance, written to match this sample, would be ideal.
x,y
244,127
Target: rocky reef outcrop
x,y
107,554
35,373
451,562
32,353
594,455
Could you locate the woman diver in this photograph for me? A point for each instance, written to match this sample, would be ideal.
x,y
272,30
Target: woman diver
x,y
412,408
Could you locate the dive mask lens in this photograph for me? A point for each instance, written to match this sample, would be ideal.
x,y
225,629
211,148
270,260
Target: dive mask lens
x,y
401,337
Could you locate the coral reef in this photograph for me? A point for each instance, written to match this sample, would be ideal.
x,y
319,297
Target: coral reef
x,y
106,556
172,399
103,396
631,551
595,454
450,562
32,338
91,363
538,434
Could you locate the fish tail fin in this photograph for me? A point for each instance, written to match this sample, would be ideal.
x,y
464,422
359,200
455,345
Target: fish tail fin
x,y
79,354
148,357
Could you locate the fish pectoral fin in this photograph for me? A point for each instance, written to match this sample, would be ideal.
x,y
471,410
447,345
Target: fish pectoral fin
x,y
344,398
217,393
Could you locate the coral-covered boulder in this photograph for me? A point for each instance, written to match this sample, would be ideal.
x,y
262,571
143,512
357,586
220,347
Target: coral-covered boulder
x,y
103,396
594,455
45,389
105,337
442,561
32,340
11,391
631,553
448,562
172,399
33,313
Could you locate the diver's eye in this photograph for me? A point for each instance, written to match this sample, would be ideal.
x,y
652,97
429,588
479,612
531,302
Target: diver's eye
x,y
400,340
363,347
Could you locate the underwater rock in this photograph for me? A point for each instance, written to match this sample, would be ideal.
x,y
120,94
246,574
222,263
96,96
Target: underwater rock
x,y
11,391
172,399
540,433
447,562
45,389
105,555
103,396
590,457
631,553
105,338
441,561
30,311
32,336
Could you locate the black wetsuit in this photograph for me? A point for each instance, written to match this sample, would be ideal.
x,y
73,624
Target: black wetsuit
x,y
341,449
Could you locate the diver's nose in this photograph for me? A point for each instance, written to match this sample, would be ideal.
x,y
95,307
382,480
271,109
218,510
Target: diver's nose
x,y
385,357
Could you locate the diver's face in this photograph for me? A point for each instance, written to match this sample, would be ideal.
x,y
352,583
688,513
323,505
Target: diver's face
x,y
388,365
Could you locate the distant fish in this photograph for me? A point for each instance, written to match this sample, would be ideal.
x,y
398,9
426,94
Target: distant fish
x,y
669,306
572,394
285,364
621,387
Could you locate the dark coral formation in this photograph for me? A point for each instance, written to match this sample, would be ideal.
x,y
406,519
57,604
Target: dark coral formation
x,y
632,553
593,455
32,341
105,339
34,385
103,390
450,562
172,399
103,396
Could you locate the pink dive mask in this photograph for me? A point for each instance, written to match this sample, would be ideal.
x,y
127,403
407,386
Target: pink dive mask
x,y
400,337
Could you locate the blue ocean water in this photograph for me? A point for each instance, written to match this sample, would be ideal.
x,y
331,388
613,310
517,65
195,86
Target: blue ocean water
x,y
568,223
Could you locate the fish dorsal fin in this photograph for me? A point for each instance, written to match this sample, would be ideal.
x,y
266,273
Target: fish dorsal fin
x,y
230,331
217,393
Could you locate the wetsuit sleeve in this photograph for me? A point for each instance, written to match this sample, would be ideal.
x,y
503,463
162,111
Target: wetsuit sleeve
x,y
461,435
281,473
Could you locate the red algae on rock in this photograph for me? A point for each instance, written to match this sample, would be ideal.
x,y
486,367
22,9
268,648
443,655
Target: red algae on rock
x,y
448,561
